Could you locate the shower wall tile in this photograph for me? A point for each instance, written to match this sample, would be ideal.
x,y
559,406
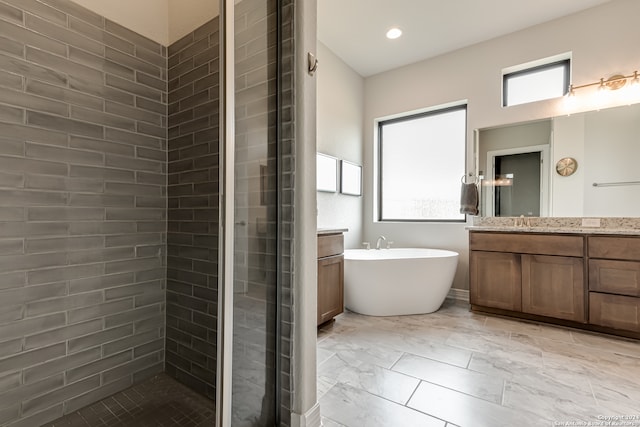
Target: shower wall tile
x,y
82,208
192,240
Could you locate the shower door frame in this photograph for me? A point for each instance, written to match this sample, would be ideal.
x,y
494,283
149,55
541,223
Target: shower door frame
x,y
227,217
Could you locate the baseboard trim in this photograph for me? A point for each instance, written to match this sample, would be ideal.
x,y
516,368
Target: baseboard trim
x,y
459,295
309,419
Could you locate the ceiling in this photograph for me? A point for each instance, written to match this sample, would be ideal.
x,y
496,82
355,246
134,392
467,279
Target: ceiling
x,y
355,29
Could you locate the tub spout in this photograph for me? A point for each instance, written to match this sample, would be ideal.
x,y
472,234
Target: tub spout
x,y
380,239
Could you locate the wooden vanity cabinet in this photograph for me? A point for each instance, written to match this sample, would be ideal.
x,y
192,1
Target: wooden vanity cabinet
x,y
614,282
534,274
330,276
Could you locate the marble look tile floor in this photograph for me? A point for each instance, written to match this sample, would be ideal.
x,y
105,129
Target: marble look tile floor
x,y
454,368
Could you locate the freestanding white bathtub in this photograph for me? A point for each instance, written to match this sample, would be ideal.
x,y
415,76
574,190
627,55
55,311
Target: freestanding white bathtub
x,y
391,282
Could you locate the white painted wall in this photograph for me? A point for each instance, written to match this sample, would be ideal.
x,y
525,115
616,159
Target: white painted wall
x,y
567,197
185,16
163,21
603,41
147,17
340,113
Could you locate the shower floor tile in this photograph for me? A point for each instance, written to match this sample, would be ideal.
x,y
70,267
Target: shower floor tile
x,y
160,401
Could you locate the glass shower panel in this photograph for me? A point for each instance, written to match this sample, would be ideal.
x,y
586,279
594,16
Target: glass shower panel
x,y
256,215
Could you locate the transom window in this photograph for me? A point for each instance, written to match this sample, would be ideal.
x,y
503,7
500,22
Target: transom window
x,y
536,83
422,159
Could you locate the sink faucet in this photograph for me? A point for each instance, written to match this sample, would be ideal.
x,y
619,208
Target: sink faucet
x,y
380,239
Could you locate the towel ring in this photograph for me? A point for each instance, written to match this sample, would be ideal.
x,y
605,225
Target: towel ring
x,y
464,179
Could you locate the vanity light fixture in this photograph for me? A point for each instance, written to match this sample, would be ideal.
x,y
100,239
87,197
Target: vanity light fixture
x,y
614,82
394,33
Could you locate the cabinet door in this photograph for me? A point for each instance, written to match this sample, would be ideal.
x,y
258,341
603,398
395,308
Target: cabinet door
x,y
330,287
494,280
553,286
614,311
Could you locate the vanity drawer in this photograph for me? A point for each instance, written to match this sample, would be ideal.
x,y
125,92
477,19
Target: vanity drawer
x,y
609,247
615,277
330,244
524,243
614,311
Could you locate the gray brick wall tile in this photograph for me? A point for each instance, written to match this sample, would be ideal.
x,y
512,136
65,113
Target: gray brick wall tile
x,y
132,62
131,265
98,366
103,200
100,145
100,63
132,87
63,244
64,273
107,174
72,8
9,80
102,227
62,334
32,102
147,104
31,38
96,33
30,70
75,127
40,417
64,214
98,255
133,290
136,38
99,338
60,364
127,317
35,166
99,282
97,89
124,162
10,13
82,163
11,313
62,94
134,113
22,133
62,304
29,358
122,136
96,395
60,33
130,368
48,182
129,342
100,310
39,403
12,47
100,118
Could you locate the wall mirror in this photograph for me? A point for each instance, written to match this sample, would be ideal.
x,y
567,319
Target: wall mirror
x,y
326,173
518,165
350,178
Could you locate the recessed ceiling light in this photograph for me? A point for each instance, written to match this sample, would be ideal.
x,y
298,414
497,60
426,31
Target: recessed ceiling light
x,y
394,33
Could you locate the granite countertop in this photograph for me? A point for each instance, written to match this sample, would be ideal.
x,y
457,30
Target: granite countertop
x,y
559,230
332,230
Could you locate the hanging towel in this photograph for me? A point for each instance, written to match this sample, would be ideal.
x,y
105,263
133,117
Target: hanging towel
x,y
469,199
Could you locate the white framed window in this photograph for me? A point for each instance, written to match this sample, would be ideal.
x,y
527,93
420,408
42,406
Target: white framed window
x,y
536,83
421,161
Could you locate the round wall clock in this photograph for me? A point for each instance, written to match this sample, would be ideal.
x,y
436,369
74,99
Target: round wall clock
x,y
566,166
